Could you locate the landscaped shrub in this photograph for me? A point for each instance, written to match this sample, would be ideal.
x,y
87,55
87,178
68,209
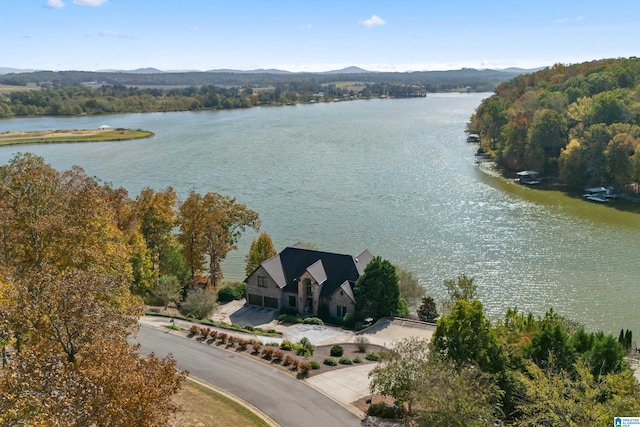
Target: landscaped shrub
x,y
295,363
204,332
222,337
256,347
289,318
383,411
329,361
193,330
337,351
313,321
289,310
375,357
304,368
357,360
231,340
226,294
349,321
344,360
362,343
288,360
267,353
213,333
315,364
286,345
304,348
243,344
278,355
249,328
270,331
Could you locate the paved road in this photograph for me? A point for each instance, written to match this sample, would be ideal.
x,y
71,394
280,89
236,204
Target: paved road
x,y
288,401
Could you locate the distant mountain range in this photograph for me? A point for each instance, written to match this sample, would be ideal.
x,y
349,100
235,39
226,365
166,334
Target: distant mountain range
x,y
347,70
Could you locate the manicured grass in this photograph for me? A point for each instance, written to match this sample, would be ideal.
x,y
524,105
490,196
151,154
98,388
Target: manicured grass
x,y
59,136
204,407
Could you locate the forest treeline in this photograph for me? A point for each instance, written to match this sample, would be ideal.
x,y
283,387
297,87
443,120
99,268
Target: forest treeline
x,y
580,123
431,81
79,92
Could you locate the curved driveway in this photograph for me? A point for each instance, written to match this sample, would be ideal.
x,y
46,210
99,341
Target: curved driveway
x,y
288,401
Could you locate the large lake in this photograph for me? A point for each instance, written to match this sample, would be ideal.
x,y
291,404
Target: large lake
x,y
393,176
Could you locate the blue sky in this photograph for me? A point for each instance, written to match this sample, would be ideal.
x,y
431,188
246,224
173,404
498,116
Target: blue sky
x,y
310,35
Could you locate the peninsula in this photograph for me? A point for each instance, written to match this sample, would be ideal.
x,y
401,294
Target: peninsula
x,y
75,135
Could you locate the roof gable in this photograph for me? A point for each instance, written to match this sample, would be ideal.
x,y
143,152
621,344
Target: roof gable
x,y
273,268
317,272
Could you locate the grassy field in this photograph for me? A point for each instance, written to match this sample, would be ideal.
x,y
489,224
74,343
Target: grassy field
x,y
58,136
203,407
9,89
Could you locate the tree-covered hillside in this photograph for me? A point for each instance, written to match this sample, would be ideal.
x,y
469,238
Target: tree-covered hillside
x,y
579,122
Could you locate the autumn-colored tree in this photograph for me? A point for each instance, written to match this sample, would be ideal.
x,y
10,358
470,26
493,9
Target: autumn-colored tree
x,y
576,397
210,227
261,250
66,307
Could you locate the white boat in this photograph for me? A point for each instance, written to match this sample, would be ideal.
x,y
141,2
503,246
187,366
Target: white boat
x,y
596,198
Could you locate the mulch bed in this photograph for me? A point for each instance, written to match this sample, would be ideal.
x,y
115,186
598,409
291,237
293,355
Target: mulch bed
x,y
350,350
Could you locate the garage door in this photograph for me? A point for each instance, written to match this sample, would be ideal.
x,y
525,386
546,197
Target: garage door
x,y
271,302
255,299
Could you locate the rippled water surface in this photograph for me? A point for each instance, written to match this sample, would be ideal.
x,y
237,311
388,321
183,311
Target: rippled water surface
x,y
393,176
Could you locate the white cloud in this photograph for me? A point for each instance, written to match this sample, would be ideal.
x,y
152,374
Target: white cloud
x,y
195,29
89,2
55,4
307,27
561,21
374,21
109,33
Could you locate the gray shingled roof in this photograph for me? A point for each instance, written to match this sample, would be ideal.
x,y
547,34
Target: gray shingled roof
x,y
330,269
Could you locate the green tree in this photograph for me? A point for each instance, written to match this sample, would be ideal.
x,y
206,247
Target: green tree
x,y
402,372
434,390
547,136
466,336
199,303
377,292
168,289
462,288
427,310
261,250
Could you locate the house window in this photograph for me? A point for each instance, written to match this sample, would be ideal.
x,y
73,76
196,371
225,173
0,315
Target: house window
x,y
309,287
262,281
292,300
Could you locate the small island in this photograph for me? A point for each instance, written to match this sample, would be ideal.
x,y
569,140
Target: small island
x,y
103,134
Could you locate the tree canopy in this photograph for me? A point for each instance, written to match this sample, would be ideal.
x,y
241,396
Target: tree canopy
x,y
580,122
377,292
261,250
66,306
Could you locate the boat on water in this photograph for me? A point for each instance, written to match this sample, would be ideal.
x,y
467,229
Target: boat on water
x,y
597,194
